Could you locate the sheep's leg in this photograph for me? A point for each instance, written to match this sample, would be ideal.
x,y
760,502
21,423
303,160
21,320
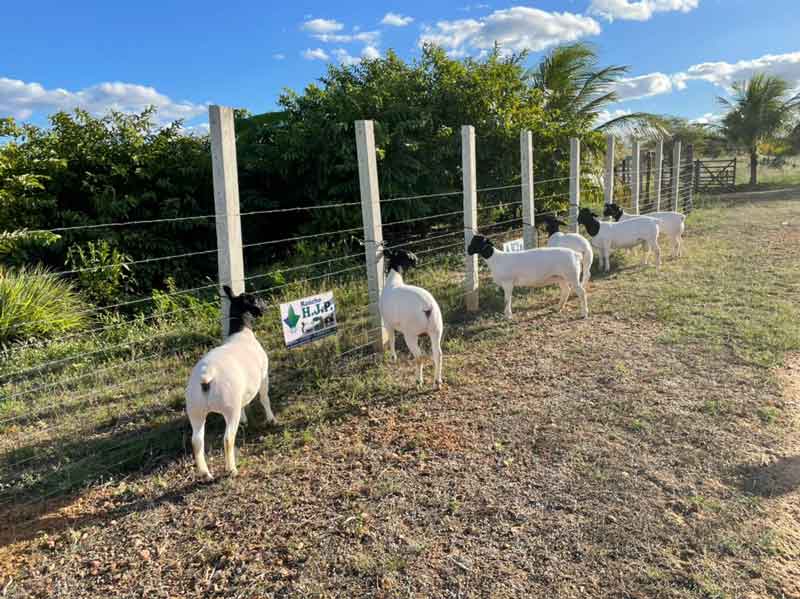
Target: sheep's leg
x,y
508,292
676,247
657,251
413,345
231,426
606,258
263,396
392,346
243,417
580,291
564,294
645,253
587,271
436,350
198,446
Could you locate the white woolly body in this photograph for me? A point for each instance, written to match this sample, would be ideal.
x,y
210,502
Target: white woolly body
x,y
234,374
538,268
579,244
413,311
641,230
671,225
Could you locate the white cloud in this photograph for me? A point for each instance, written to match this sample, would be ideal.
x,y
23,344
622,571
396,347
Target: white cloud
x,y
344,57
315,54
725,74
370,53
607,115
367,37
198,130
708,118
518,28
322,26
396,20
643,86
23,100
279,56
641,10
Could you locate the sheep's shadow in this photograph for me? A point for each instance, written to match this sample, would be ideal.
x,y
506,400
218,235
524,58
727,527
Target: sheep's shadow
x,y
779,478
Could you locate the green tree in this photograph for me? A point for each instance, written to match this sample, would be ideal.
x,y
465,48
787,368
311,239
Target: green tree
x,y
576,87
761,110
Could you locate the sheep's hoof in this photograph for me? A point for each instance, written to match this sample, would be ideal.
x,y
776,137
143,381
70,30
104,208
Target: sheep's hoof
x,y
206,477
438,385
393,357
233,472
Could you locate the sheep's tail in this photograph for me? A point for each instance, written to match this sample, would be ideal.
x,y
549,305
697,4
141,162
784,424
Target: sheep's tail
x,y
206,377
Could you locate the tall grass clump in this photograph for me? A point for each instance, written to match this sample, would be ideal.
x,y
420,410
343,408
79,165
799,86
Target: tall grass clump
x,y
33,303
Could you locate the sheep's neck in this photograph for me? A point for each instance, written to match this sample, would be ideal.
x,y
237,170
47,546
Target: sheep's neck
x,y
239,323
395,278
592,227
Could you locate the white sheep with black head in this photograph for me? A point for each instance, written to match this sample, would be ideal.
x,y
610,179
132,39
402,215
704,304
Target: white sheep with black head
x,y
631,233
573,241
228,378
411,310
671,224
532,268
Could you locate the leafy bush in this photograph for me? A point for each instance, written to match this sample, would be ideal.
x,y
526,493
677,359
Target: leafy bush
x,y
106,273
35,303
183,307
18,248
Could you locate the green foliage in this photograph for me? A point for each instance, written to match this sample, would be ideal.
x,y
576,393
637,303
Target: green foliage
x,y
104,271
18,248
35,303
576,87
85,170
182,308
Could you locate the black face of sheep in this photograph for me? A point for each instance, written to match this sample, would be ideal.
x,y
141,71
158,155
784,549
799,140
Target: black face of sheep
x,y
613,210
551,224
588,219
245,308
481,245
400,260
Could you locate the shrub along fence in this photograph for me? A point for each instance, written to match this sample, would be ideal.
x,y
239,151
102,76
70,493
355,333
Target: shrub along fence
x,y
109,399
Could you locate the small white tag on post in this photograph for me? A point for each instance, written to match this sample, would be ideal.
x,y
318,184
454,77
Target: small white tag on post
x,y
514,245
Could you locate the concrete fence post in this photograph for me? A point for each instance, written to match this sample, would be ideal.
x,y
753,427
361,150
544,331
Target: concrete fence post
x,y
530,235
676,174
574,182
230,262
609,178
373,227
468,169
690,192
636,181
659,172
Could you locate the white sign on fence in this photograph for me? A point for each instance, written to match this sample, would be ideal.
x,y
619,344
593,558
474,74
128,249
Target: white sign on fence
x,y
515,245
308,319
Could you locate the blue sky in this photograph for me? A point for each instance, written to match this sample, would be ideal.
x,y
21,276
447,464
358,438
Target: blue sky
x,y
181,56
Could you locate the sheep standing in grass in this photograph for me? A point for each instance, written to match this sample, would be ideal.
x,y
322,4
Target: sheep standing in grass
x,y
532,268
412,311
671,224
228,378
630,233
573,241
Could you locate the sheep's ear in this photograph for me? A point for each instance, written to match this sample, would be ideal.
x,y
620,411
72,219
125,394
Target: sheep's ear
x,y
561,222
228,291
387,254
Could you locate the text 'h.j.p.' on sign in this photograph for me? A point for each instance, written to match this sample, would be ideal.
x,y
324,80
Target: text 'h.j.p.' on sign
x,y
308,319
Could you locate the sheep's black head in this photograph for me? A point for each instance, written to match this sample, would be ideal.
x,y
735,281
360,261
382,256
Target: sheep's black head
x,y
613,210
400,260
588,219
551,223
481,245
245,308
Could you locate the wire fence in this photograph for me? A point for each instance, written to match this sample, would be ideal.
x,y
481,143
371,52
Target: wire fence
x,y
108,398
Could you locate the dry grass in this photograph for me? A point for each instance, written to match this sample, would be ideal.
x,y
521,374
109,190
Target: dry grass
x,y
651,451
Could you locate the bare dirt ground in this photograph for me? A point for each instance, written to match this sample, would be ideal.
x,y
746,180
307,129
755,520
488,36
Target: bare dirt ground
x,y
622,456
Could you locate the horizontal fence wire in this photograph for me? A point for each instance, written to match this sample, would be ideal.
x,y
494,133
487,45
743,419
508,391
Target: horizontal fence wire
x,y
191,218
423,197
423,218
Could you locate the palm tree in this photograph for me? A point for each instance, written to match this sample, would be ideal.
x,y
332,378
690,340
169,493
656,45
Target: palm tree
x,y
572,82
761,109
